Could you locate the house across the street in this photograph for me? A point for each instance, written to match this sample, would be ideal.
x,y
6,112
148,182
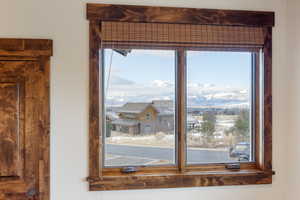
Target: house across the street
x,y
145,118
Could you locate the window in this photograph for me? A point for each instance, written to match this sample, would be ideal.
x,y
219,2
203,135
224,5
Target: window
x,y
219,106
181,103
148,116
139,89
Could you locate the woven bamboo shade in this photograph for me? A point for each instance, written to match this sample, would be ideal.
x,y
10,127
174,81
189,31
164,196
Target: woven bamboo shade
x,y
125,33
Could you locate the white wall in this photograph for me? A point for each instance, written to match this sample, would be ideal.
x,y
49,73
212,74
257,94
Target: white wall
x,y
64,22
293,70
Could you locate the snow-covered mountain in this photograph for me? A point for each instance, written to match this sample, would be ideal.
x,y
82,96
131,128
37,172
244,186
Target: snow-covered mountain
x,y
123,91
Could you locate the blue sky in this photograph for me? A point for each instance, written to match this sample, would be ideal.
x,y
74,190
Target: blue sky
x,y
219,68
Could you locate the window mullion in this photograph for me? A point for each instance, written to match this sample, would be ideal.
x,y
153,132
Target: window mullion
x,y
181,108
255,107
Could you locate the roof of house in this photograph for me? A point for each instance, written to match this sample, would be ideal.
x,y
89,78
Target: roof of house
x,y
163,107
134,107
163,103
125,122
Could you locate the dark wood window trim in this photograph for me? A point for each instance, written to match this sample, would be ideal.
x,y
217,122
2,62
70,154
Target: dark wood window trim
x,y
258,172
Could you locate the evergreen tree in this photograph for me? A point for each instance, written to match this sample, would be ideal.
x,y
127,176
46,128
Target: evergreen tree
x,y
241,126
208,126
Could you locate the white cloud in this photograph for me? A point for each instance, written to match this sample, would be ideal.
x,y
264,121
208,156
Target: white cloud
x,y
161,83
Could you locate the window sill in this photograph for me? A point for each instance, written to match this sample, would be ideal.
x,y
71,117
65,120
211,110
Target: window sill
x,y
178,179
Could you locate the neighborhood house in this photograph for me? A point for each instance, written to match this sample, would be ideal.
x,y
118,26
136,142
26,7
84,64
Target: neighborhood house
x,y
144,118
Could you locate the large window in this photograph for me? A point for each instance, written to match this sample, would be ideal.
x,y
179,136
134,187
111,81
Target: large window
x,y
219,107
140,98
139,88
179,97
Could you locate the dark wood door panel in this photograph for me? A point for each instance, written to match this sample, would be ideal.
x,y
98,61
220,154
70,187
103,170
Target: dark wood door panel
x,y
24,119
18,196
11,126
21,83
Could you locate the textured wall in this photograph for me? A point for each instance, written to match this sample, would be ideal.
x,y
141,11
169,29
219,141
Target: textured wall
x,y
293,70
64,22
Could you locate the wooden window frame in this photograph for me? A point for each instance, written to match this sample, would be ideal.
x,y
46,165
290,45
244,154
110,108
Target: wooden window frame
x,y
258,172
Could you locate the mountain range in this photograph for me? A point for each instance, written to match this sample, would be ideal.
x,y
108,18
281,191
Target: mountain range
x,y
122,91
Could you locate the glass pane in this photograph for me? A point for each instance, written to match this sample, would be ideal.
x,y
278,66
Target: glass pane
x,y
219,97
139,87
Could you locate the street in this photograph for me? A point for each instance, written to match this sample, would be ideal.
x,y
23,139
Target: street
x,y
120,155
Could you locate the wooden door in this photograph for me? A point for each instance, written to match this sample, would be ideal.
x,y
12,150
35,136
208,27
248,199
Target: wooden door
x,y
24,128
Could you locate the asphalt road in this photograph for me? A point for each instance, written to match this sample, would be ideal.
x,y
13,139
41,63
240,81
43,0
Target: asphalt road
x,y
140,155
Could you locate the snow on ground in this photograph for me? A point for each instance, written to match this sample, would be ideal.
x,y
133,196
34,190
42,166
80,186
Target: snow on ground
x,y
160,139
